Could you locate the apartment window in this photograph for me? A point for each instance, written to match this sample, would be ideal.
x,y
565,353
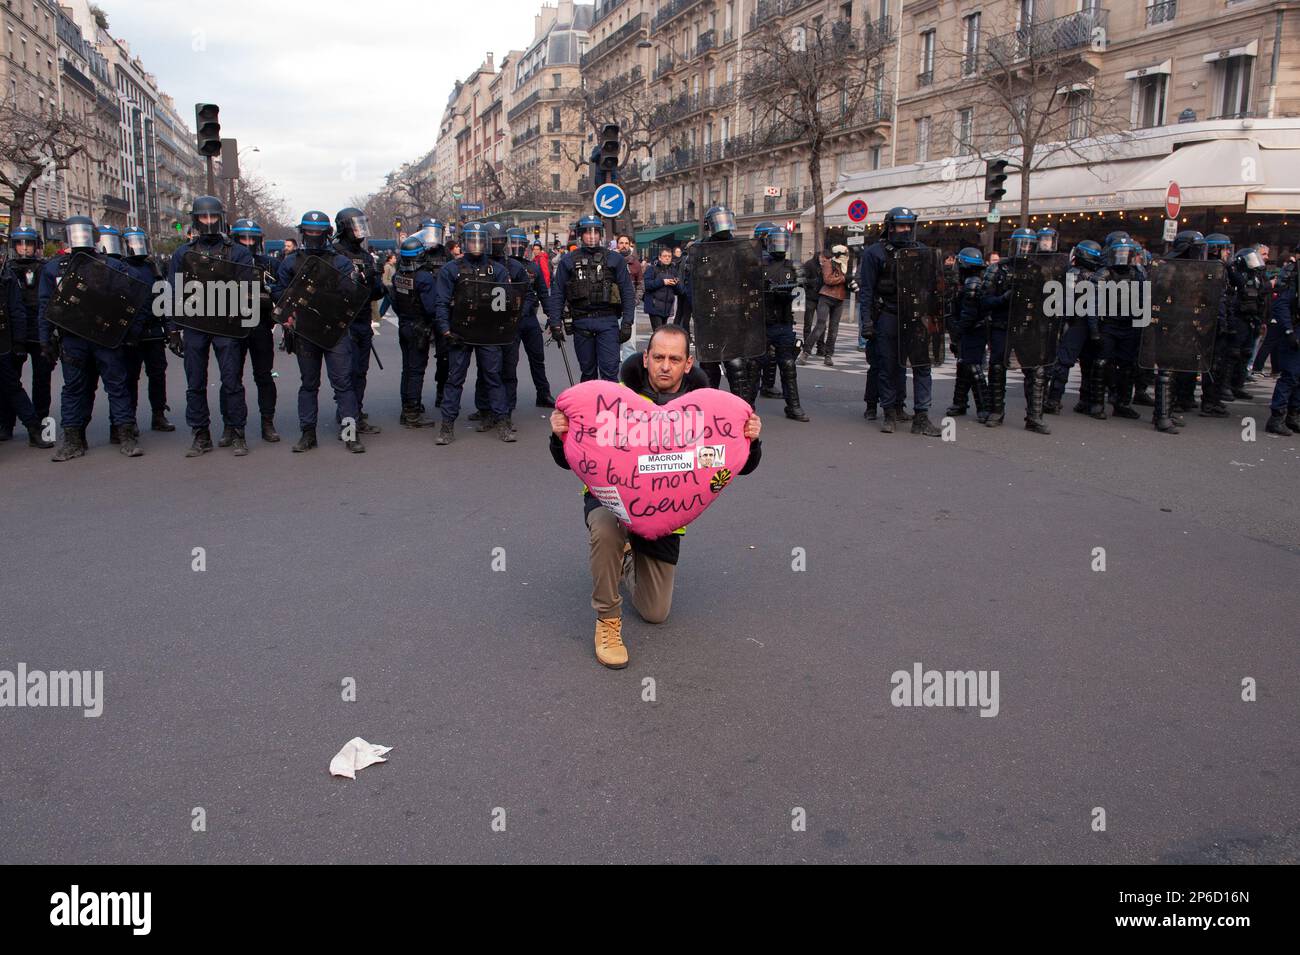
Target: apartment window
x,y
923,139
726,128
971,49
874,153
1234,86
1149,100
964,131
555,181
1161,11
926,75
555,117
556,79
1079,104
846,11
555,147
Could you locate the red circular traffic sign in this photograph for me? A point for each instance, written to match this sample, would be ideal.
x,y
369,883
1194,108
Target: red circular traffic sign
x,y
857,211
1173,201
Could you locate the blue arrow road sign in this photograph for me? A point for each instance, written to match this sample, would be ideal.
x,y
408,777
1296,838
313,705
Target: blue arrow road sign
x,y
610,200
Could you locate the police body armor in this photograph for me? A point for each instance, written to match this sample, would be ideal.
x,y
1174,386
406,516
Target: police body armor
x,y
479,314
592,289
363,272
27,273
1250,298
780,279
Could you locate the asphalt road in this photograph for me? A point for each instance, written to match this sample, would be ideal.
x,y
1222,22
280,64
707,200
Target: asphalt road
x,y
1118,689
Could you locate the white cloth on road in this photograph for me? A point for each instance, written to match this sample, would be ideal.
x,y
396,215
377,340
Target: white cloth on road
x,y
356,754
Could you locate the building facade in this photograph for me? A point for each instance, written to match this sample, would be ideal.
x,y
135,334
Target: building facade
x,y
29,80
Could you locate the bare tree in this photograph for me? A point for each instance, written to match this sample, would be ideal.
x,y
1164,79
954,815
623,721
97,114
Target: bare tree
x,y
1032,96
807,84
628,101
35,144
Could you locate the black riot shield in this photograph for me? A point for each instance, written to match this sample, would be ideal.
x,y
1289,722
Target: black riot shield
x,y
1032,335
484,312
920,303
1185,296
727,300
224,309
320,301
96,302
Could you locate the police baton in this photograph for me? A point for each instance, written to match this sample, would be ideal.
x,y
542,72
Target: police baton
x,y
568,368
376,354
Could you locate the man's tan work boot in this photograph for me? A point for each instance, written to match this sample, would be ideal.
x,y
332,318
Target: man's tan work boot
x,y
609,643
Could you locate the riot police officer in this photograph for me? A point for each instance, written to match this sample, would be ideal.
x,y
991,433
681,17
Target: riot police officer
x,y
1188,244
1284,409
413,300
1115,369
498,240
82,359
260,343
208,220
1081,337
878,289
14,342
969,330
742,373
1048,241
148,351
437,239
457,283
25,263
997,305
1248,300
768,363
353,229
597,288
530,329
780,279
314,231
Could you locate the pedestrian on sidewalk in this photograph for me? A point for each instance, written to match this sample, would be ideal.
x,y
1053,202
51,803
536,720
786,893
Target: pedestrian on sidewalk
x,y
833,294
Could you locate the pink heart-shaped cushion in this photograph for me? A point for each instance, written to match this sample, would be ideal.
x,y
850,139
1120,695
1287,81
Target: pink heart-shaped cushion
x,y
657,467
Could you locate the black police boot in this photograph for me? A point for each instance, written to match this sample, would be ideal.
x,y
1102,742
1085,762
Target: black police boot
x,y
1211,391
768,387
1122,399
1084,404
34,438
1275,425
411,417
997,396
870,413
238,443
790,385
477,415
269,433
446,433
1141,398
505,430
486,421
355,446
980,392
921,425
306,442
545,401
961,391
128,435
227,437
1162,416
1035,400
1293,420
6,431
1097,389
901,415
891,418
73,446
114,434
742,379
365,427
202,443
160,422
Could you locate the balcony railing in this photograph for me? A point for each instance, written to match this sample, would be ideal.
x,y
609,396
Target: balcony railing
x,y
1048,38
1162,12
538,96
792,200
728,35
666,65
706,42
603,9
116,203
747,206
879,31
671,11
769,204
617,84
924,78
555,127
970,63
771,9
528,134
614,40
684,106
558,198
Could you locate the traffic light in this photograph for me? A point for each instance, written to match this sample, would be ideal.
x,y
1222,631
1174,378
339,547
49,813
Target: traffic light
x,y
604,158
995,177
205,120
397,224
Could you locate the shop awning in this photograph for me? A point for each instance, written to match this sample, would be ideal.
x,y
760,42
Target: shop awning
x,y
668,233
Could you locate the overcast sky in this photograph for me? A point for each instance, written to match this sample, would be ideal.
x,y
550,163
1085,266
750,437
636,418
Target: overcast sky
x,y
334,93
